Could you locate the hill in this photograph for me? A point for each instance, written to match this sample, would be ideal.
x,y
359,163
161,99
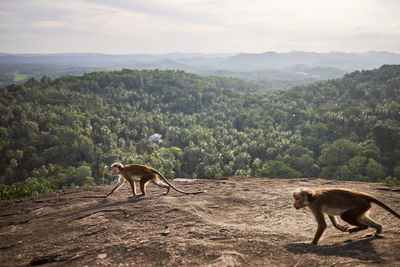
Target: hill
x,y
270,69
65,132
239,221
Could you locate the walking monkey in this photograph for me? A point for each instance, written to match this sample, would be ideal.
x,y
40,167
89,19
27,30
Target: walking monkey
x,y
145,174
352,206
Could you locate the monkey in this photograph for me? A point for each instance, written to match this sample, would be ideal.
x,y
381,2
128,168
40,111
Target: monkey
x,y
352,207
145,174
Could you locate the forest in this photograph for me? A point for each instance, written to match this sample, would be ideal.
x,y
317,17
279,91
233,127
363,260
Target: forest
x,y
66,132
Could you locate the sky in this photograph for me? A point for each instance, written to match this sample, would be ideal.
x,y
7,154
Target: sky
x,y
198,26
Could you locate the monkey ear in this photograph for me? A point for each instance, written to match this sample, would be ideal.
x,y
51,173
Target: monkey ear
x,y
310,197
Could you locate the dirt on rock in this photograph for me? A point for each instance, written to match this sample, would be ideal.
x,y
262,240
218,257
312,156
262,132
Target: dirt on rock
x,y
238,221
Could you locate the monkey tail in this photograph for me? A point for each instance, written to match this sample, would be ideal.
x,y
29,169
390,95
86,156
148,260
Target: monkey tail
x,y
173,187
382,205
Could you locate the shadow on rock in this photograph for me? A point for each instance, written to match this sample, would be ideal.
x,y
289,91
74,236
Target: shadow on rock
x,y
101,206
361,250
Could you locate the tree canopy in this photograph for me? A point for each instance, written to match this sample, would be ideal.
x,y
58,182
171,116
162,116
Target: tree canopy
x,y
65,132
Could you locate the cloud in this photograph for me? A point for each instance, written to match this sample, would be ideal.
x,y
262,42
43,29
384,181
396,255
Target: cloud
x,y
48,24
130,26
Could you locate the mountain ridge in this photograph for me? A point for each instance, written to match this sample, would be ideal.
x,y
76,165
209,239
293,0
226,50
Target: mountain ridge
x,y
270,69
257,61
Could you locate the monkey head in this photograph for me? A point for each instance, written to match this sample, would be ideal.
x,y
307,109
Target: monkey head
x,y
116,168
302,198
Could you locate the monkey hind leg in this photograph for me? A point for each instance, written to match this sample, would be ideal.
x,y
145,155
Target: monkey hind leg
x,y
143,183
157,181
371,223
354,217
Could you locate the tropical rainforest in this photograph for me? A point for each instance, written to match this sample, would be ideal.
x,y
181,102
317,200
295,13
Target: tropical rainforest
x,y
66,132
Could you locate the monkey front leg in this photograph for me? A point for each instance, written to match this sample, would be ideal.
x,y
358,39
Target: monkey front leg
x,y
133,187
121,181
343,228
319,216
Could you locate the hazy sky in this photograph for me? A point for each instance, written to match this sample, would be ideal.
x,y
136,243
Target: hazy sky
x,y
199,26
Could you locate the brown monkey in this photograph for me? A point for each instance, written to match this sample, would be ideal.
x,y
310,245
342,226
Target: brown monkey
x,y
145,174
352,206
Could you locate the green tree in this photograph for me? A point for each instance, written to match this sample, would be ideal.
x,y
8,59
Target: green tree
x,y
354,169
277,169
374,171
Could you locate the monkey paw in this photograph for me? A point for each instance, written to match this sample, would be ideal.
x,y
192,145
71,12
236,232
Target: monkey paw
x,y
372,234
368,235
343,228
354,229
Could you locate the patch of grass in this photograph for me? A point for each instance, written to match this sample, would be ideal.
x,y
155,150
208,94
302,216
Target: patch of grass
x,y
19,77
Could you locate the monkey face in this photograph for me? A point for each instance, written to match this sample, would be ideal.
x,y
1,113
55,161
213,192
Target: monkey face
x,y
116,168
114,171
299,201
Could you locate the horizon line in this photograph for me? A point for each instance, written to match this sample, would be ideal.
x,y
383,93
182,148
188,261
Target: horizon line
x,y
200,53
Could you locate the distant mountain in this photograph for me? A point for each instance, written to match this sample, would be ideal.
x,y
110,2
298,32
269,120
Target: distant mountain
x,y
243,62
102,60
339,60
276,70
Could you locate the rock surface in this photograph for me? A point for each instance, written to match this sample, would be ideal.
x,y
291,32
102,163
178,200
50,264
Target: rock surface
x,y
238,221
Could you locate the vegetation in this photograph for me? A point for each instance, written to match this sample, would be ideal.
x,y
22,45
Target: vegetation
x,y
66,132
